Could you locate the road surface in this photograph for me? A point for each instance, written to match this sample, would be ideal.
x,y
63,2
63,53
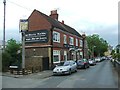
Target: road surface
x,y
101,75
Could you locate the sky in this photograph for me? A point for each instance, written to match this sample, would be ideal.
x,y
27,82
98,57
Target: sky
x,y
86,16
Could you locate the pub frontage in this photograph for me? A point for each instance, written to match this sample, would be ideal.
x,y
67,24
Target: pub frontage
x,y
49,42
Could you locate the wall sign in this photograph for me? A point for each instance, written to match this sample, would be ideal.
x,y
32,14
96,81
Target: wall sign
x,y
70,46
39,36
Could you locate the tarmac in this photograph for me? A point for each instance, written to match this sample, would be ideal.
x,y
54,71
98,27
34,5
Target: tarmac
x,y
38,75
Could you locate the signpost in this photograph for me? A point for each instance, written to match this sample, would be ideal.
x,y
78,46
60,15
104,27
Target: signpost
x,y
23,28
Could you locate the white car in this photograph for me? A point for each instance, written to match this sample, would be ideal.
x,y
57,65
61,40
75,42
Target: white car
x,y
67,68
92,62
97,59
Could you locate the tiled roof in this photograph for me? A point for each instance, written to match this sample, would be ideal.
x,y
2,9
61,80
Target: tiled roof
x,y
59,25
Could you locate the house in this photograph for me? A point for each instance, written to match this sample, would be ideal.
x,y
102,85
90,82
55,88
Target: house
x,y
49,41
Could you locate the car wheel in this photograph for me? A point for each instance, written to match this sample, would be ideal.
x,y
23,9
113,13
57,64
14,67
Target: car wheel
x,y
76,70
70,72
85,66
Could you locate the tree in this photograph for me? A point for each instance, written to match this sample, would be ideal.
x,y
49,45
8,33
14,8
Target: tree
x,y
10,56
12,47
97,45
5,61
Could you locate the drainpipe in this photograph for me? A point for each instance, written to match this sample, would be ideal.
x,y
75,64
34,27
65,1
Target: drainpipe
x,y
83,38
83,48
52,47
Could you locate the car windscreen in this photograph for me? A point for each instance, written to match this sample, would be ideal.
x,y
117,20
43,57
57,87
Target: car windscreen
x,y
66,64
60,64
80,62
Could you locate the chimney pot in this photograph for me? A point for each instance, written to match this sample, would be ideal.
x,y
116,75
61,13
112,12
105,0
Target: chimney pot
x,y
62,22
54,14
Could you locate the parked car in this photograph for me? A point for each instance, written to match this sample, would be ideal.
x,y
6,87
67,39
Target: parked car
x,y
92,62
83,63
97,59
67,68
103,58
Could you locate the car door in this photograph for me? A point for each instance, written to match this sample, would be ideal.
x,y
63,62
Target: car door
x,y
73,66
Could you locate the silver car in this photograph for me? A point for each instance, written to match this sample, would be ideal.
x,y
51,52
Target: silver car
x,y
67,68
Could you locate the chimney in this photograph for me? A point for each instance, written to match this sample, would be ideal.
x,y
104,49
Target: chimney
x,y
62,22
54,14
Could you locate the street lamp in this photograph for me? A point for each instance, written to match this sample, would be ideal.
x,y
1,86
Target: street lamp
x,y
4,2
18,53
93,50
83,38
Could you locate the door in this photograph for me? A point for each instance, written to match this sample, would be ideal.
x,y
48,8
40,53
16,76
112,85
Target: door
x,y
45,63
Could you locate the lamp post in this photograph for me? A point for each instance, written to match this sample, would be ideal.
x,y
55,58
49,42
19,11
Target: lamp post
x,y
93,50
83,38
18,53
4,2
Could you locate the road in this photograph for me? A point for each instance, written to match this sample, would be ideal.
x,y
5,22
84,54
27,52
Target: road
x,y
101,75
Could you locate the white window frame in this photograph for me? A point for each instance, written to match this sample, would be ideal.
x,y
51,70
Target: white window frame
x,y
81,43
65,39
76,42
71,40
57,37
56,52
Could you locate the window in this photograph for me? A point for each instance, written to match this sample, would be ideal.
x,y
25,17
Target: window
x,y
56,56
65,39
81,43
56,37
76,42
71,41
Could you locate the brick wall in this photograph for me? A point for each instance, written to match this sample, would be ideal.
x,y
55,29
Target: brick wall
x,y
37,22
33,60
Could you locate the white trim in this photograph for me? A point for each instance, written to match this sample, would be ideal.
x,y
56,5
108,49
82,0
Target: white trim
x,y
57,37
76,42
56,52
65,39
71,40
65,54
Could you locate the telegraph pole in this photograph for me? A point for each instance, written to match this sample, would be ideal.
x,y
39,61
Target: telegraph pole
x,y
4,2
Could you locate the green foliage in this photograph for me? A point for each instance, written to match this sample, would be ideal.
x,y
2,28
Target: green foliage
x,y
113,52
116,56
97,44
10,56
5,60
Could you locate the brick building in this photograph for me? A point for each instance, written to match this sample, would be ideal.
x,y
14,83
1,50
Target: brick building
x,y
49,41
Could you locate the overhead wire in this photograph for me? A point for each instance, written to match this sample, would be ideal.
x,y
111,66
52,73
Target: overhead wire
x,y
20,5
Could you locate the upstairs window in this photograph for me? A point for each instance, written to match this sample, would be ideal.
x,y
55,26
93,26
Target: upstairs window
x,y
65,39
56,37
81,43
76,42
71,40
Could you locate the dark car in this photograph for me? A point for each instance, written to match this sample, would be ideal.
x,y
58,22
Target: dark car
x,y
83,63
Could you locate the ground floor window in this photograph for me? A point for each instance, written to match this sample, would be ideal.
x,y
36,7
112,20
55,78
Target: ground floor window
x,y
56,56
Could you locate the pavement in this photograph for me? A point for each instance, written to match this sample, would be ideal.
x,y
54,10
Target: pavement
x,y
39,75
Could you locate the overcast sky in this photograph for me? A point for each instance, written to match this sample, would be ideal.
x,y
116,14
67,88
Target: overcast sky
x,y
89,16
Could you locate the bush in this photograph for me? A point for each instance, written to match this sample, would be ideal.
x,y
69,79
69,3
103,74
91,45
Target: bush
x,y
5,61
